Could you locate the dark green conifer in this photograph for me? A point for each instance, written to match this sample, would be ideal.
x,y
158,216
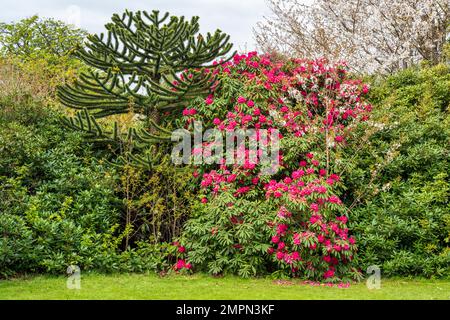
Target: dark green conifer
x,y
147,64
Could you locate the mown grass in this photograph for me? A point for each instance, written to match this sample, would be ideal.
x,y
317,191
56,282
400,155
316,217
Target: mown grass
x,y
140,286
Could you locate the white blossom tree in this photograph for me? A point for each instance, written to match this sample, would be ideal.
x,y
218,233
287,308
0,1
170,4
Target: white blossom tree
x,y
372,35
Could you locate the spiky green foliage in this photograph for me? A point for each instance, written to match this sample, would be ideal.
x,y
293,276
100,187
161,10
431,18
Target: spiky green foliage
x,y
146,64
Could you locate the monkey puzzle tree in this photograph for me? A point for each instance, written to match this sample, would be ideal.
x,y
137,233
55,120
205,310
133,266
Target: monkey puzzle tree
x,y
147,64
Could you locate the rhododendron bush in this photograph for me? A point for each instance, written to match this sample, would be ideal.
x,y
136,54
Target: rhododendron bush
x,y
291,221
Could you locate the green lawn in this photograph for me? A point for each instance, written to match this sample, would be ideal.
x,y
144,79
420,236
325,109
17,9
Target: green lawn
x,y
138,286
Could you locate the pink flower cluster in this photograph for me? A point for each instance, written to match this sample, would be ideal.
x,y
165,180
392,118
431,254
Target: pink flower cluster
x,y
181,263
312,228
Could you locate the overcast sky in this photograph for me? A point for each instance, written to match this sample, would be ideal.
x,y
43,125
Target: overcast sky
x,y
235,17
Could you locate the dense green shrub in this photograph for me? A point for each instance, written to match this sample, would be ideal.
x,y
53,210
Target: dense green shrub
x,y
398,178
227,240
57,203
16,245
62,204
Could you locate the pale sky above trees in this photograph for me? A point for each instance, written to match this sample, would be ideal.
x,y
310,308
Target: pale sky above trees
x,y
401,26
235,17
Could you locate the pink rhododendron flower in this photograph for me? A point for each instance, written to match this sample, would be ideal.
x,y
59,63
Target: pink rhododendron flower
x,y
241,99
297,174
209,100
314,207
281,229
246,118
328,274
182,264
295,256
280,255
334,199
335,177
314,219
296,238
365,89
343,219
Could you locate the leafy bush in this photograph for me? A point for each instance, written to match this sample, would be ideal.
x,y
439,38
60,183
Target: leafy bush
x,y
16,245
35,37
35,57
155,203
61,204
230,235
398,178
57,203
